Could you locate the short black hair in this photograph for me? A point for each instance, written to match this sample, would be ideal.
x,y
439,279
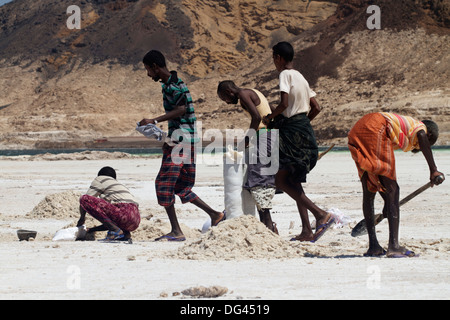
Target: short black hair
x,y
107,171
432,130
285,50
154,57
224,85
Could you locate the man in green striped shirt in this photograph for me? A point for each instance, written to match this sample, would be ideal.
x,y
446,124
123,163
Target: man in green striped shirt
x,y
177,173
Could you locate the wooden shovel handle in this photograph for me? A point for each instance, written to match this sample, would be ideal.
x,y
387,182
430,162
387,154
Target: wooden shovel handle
x,y
326,151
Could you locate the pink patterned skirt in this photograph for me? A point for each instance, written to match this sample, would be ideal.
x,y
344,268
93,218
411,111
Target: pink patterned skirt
x,y
124,215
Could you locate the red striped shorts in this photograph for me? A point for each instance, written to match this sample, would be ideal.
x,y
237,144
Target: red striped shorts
x,y
175,178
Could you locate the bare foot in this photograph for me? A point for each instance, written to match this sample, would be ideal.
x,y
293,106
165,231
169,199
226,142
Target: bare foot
x,y
303,237
171,237
221,217
375,252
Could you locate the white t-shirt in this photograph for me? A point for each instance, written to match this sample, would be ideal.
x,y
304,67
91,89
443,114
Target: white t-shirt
x,y
295,85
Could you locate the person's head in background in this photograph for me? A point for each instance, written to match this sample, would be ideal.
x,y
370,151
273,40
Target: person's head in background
x,y
107,171
282,54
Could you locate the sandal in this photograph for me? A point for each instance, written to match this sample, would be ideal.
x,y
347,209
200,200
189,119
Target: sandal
x,y
320,230
114,236
407,254
171,238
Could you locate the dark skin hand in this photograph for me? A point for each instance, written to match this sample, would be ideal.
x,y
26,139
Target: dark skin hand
x,y
315,108
279,109
82,219
176,113
280,65
425,147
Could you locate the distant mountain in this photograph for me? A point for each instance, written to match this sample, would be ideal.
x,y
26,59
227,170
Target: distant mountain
x,y
62,87
2,2
205,35
403,68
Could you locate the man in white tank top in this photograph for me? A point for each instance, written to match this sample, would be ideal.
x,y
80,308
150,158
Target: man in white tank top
x,y
260,185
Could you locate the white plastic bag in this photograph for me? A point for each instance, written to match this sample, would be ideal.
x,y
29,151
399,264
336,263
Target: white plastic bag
x,y
206,225
70,234
238,201
151,131
340,219
233,177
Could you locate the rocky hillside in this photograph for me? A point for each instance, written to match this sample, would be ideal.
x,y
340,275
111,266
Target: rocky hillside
x,y
66,88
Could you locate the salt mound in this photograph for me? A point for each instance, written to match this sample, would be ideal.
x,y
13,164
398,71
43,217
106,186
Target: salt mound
x,y
64,205
243,237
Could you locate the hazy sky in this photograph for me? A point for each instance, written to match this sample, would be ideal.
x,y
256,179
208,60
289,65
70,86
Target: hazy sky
x,y
2,2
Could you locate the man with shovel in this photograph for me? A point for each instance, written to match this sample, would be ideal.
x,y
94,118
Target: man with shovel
x,y
372,142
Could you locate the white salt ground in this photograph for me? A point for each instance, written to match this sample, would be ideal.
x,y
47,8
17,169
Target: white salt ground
x,y
241,256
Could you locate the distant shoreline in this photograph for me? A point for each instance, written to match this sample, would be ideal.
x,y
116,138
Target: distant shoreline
x,y
133,151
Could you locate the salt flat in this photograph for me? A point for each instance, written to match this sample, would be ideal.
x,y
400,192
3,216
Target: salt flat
x,y
332,268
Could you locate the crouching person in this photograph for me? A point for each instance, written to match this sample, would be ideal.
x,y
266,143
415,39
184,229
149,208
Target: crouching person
x,y
111,203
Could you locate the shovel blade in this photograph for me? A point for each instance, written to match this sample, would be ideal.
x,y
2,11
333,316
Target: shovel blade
x,y
361,228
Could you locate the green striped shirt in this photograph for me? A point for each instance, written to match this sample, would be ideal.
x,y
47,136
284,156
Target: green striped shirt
x,y
111,190
176,93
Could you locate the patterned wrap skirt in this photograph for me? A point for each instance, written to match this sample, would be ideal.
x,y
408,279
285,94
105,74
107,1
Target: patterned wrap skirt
x,y
372,150
297,146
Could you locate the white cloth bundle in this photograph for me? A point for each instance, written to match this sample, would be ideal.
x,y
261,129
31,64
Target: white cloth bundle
x,y
151,131
341,220
70,234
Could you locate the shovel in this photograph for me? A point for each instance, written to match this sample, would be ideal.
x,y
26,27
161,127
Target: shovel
x,y
326,151
361,229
